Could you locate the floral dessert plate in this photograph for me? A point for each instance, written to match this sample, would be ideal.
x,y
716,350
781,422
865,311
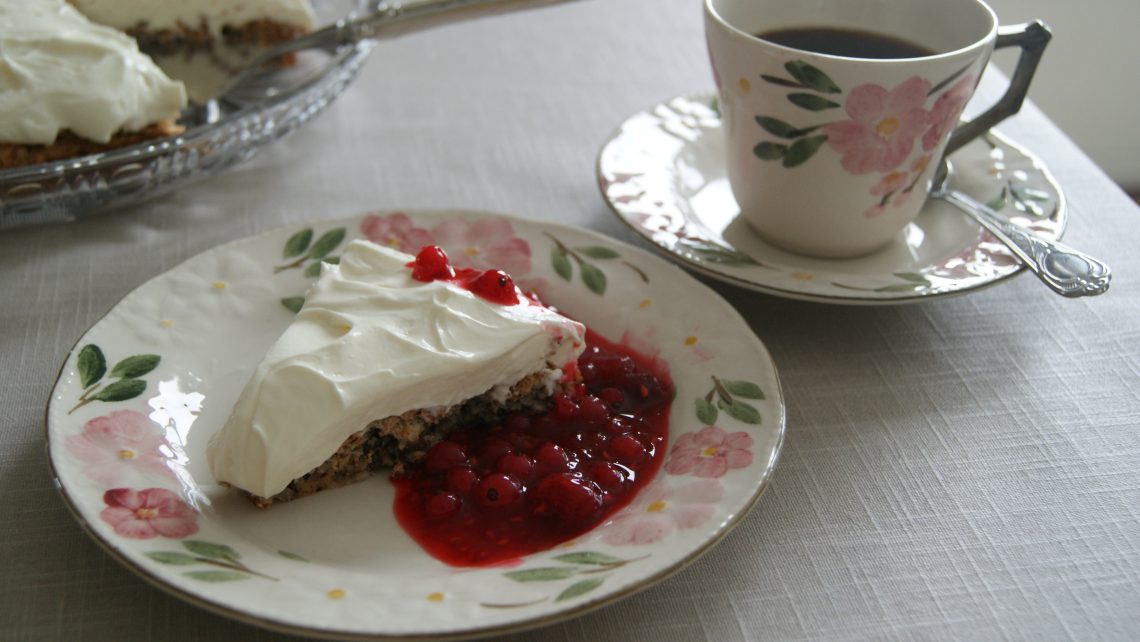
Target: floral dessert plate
x,y
663,174
143,390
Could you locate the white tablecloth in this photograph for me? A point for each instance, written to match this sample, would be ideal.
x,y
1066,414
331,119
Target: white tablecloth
x,y
962,468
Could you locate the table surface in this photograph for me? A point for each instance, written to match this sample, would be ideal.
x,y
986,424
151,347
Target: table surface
x,y
966,467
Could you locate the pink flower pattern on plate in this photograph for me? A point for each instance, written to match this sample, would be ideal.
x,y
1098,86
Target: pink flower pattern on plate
x,y
488,243
396,231
659,510
709,452
882,127
143,514
124,440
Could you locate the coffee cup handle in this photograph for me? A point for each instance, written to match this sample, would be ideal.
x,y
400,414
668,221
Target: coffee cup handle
x,y
1032,38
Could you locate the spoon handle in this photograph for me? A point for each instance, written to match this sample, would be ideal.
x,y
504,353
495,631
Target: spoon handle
x,y
1068,272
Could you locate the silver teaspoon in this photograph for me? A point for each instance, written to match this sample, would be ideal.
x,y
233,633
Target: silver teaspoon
x,y
1066,271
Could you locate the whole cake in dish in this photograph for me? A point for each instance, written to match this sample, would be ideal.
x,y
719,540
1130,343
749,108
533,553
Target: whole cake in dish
x,y
69,87
388,355
169,26
74,81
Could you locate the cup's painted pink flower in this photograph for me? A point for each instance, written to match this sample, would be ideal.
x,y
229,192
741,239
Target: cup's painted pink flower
x,y
890,183
122,441
919,165
944,114
882,128
659,511
875,211
709,452
488,243
143,514
395,231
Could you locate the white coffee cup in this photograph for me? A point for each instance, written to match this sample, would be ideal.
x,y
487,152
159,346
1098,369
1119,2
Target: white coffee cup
x,y
833,155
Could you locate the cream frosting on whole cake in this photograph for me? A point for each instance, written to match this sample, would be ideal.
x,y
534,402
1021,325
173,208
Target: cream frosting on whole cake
x,y
372,342
59,71
215,15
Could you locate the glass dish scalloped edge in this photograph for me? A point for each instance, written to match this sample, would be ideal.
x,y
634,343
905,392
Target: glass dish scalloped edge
x,y
74,188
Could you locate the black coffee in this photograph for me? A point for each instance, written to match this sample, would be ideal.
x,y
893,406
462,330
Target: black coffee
x,y
850,43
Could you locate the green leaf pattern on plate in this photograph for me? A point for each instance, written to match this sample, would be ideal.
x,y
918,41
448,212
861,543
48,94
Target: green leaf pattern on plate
x,y
135,366
298,245
224,558
587,557
728,395
563,258
91,365
542,574
580,588
588,563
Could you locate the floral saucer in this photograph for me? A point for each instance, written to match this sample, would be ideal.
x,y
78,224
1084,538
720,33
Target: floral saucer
x,y
143,390
663,174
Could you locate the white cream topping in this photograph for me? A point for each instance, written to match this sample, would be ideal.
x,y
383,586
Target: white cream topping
x,y
60,71
370,343
215,14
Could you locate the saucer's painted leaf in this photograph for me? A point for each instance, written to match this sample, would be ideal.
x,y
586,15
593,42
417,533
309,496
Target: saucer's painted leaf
x,y
313,271
998,202
770,151
135,366
297,243
812,77
121,390
91,364
580,588
913,277
901,287
812,102
802,150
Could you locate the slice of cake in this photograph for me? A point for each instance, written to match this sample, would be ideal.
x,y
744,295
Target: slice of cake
x,y
69,87
171,26
387,356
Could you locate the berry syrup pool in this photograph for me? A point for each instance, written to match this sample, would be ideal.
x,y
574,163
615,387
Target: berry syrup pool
x,y
490,494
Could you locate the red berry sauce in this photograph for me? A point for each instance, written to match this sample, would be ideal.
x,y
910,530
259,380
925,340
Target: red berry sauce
x,y
432,264
489,494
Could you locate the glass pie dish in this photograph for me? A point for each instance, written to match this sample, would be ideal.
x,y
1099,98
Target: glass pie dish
x,y
216,137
